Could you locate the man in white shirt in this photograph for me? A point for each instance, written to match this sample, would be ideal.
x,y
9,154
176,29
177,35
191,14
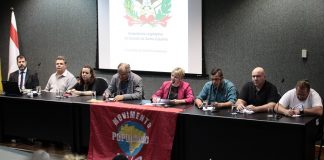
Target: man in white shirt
x,y
300,100
62,79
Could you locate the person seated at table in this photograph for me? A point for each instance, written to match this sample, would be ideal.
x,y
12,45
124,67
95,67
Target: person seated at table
x,y
259,95
62,79
177,90
219,92
87,83
300,100
125,85
25,77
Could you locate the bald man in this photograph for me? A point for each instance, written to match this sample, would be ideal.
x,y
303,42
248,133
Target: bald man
x,y
125,85
259,95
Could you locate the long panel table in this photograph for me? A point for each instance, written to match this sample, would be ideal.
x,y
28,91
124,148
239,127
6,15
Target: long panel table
x,y
46,117
199,134
221,135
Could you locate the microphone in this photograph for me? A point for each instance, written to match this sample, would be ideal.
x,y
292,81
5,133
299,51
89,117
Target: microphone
x,y
172,82
276,107
277,115
281,86
38,66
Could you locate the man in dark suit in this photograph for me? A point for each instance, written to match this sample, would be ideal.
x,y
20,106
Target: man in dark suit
x,y
26,78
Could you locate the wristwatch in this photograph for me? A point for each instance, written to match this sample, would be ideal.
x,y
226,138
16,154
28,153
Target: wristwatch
x,y
301,111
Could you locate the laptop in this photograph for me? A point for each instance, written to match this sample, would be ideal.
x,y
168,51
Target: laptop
x,y
11,88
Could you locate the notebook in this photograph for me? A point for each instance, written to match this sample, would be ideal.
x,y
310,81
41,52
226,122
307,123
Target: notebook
x,y
162,102
11,88
167,102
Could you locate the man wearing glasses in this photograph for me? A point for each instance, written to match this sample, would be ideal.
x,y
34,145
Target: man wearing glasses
x,y
218,92
259,95
301,100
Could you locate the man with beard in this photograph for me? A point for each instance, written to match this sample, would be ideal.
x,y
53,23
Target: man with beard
x,y
26,78
219,92
301,100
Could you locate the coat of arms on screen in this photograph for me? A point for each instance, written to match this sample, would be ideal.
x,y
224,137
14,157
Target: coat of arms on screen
x,y
152,12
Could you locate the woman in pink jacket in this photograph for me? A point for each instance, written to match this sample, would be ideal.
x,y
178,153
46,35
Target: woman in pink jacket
x,y
177,90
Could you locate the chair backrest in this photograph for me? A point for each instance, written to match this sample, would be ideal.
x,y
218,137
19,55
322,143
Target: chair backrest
x,y
320,132
101,85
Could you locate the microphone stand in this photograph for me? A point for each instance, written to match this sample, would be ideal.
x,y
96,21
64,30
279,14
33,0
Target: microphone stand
x,y
172,82
277,115
281,86
38,66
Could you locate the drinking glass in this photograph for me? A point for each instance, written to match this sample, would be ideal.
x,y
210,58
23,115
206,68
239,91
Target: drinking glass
x,y
158,99
233,109
59,93
270,113
30,94
38,89
106,96
94,95
205,105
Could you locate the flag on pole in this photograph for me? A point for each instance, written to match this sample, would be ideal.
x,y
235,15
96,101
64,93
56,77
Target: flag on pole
x,y
1,89
13,45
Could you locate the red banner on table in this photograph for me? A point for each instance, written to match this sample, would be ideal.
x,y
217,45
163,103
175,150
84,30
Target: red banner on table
x,y
136,131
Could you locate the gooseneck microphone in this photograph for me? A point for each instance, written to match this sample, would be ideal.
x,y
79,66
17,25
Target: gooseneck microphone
x,y
281,86
38,67
277,115
172,82
276,107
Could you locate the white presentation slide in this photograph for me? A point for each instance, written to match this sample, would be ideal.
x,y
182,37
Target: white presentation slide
x,y
150,35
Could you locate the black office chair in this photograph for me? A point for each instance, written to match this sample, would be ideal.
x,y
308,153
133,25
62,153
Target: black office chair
x,y
100,85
